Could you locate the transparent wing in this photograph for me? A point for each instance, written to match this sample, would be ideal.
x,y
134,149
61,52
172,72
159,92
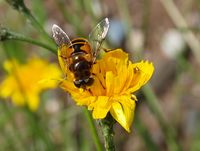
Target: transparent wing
x,y
59,36
97,36
62,40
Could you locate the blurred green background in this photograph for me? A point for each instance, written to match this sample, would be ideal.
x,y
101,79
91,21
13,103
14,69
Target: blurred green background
x,y
164,32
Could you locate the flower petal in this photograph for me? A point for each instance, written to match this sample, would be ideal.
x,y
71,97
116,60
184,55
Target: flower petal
x,y
33,101
142,73
85,100
109,83
97,88
18,99
123,112
23,82
117,53
68,86
101,107
121,78
5,88
147,69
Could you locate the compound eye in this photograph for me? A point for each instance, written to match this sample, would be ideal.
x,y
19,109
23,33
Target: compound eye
x,y
86,80
89,81
78,83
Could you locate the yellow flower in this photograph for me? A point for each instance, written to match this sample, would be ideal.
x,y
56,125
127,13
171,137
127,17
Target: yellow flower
x,y
22,82
115,80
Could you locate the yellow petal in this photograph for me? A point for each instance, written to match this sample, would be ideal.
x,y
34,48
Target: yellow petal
x,y
122,77
9,65
147,69
85,100
142,73
101,107
117,53
109,83
129,78
97,89
52,73
5,88
123,112
68,86
61,62
18,98
22,82
33,101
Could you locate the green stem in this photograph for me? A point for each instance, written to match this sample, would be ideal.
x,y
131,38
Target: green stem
x,y
20,6
168,131
93,130
108,133
37,25
5,34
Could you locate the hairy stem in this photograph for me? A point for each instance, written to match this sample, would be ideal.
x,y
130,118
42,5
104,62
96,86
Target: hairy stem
x,y
6,34
108,133
20,6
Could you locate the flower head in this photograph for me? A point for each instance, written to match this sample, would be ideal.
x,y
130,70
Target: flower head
x,y
115,80
22,84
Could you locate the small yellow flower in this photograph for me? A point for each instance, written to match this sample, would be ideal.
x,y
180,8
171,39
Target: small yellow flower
x,y
22,84
115,80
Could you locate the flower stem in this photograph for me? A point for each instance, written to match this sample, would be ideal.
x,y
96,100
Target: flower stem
x,y
93,130
108,133
6,34
37,25
20,6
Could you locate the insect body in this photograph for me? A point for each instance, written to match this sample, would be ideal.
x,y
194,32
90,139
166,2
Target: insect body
x,y
80,62
79,54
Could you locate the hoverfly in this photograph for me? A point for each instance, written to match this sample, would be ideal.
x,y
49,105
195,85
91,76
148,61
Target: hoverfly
x,y
78,55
